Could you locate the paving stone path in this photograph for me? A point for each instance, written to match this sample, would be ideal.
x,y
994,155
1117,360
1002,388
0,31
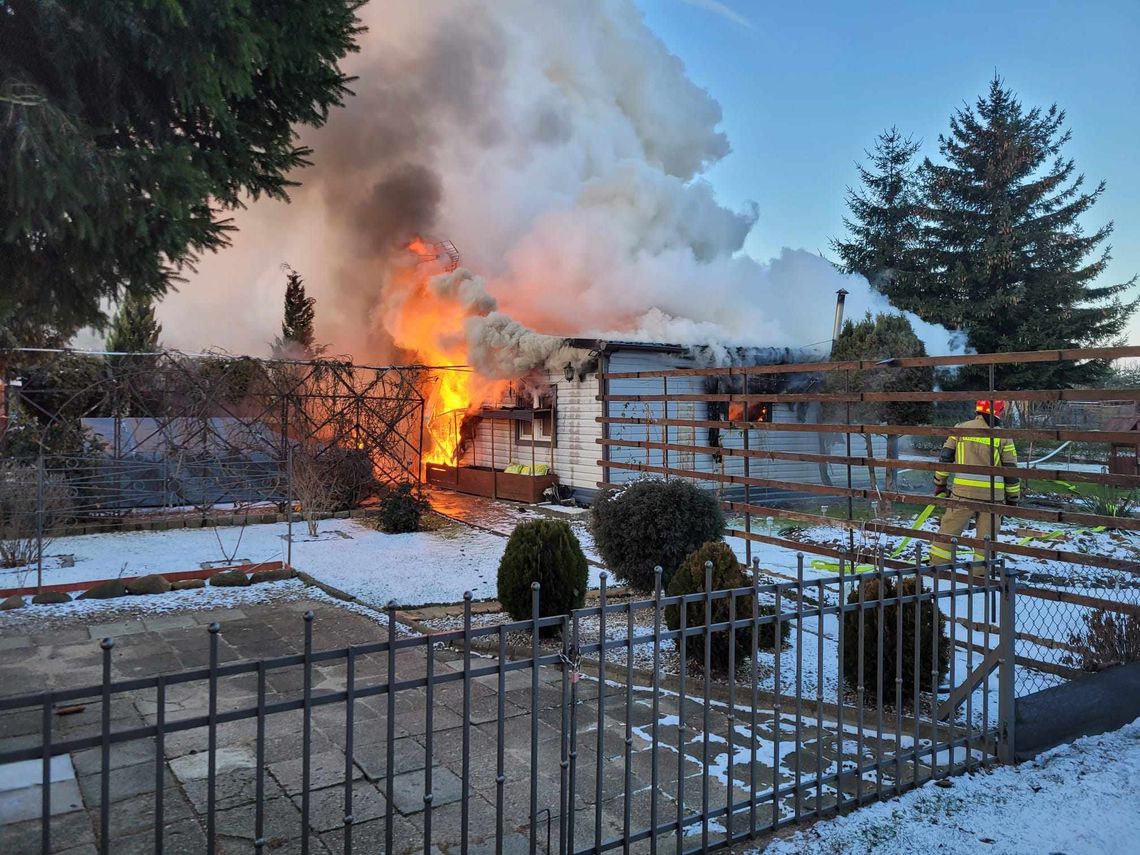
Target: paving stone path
x,y
66,654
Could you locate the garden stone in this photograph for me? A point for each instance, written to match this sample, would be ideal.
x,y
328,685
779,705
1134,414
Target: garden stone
x,y
278,575
51,597
229,579
13,602
105,591
152,584
187,584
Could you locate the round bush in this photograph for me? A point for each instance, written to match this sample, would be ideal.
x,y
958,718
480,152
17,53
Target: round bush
x,y
726,574
402,509
931,620
651,523
547,552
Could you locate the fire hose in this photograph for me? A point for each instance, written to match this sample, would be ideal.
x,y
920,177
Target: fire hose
x,y
833,566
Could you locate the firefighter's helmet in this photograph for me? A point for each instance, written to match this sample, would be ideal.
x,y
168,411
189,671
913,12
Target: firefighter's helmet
x,y
998,408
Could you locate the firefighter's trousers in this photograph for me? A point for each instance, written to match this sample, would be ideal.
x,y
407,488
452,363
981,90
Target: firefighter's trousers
x,y
954,522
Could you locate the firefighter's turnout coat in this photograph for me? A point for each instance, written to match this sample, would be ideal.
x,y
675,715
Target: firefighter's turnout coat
x,y
975,451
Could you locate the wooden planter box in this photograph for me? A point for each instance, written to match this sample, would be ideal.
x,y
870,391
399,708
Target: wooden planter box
x,y
492,483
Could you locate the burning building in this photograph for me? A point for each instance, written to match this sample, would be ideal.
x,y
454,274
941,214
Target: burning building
x,y
546,429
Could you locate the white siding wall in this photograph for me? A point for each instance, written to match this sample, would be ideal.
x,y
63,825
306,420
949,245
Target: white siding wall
x,y
780,470
624,361
576,452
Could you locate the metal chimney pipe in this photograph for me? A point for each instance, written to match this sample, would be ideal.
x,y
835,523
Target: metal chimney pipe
x,y
840,297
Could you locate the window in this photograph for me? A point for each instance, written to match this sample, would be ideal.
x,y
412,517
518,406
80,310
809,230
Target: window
x,y
539,432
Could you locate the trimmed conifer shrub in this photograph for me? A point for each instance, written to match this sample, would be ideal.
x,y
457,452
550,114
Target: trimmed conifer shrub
x,y
931,620
651,523
547,552
402,509
726,575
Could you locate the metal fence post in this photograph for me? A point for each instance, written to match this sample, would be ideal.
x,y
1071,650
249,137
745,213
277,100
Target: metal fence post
x,y
289,506
1007,664
535,652
39,524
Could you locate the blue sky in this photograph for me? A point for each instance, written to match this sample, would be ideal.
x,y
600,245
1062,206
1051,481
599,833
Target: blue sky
x,y
806,86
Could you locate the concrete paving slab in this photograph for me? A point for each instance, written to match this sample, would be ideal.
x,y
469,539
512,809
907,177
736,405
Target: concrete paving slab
x,y
70,832
408,790
158,623
179,838
115,630
29,773
124,783
372,757
27,802
407,837
218,616
326,807
137,814
325,770
196,767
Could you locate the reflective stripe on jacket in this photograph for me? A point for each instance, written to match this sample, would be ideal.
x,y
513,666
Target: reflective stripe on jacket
x,y
980,451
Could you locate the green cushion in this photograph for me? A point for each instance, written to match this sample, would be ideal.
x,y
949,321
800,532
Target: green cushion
x,y
541,469
515,469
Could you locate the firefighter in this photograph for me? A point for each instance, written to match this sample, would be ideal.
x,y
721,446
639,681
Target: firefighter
x,y
975,451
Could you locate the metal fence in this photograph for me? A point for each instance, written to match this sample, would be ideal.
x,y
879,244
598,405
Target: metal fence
x,y
92,443
1075,533
671,723
44,508
158,412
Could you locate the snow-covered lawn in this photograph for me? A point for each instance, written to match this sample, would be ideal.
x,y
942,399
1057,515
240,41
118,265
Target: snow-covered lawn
x,y
205,599
412,569
1079,799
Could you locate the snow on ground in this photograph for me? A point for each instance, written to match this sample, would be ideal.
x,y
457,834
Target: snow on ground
x,y
202,599
413,569
1075,799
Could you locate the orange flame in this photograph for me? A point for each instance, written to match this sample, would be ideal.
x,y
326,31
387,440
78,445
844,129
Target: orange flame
x,y
431,325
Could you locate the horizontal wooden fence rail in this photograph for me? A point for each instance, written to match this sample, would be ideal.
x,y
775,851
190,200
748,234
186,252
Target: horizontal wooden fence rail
x,y
999,508
1017,358
964,542
979,544
1123,437
878,462
1079,395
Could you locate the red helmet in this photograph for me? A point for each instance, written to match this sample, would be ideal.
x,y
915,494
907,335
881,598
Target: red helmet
x,y
998,408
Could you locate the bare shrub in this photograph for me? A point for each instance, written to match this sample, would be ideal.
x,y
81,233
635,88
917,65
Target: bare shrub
x,y
1108,639
20,512
336,479
313,487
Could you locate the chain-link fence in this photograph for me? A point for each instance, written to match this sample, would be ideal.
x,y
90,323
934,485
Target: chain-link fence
x,y
1072,625
47,510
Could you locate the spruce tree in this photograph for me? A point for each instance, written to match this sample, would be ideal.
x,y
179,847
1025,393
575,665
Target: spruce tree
x,y
874,338
884,221
297,328
134,328
1002,253
128,130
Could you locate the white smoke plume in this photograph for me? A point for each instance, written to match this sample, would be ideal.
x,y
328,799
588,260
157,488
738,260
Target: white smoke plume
x,y
561,147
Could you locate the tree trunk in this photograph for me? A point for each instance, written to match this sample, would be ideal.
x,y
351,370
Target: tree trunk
x,y
892,454
870,468
824,448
